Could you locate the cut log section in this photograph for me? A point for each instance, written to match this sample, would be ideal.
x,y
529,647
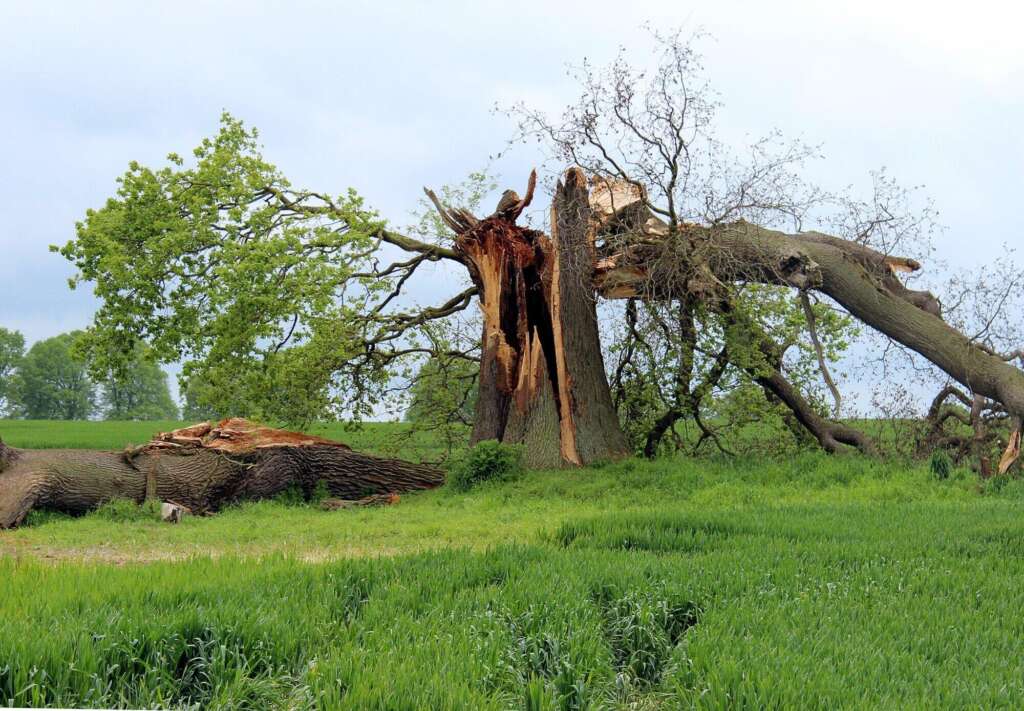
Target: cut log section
x,y
201,468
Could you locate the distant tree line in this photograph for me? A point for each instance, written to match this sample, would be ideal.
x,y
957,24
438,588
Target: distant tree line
x,y
51,381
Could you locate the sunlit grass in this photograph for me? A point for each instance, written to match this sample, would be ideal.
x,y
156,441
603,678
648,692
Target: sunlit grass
x,y
811,582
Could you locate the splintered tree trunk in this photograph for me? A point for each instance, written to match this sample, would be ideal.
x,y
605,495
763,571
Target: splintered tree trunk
x,y
202,468
542,379
594,427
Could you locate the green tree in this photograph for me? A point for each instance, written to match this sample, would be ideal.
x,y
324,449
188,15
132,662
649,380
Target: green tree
x,y
444,392
12,350
196,407
276,299
53,382
140,392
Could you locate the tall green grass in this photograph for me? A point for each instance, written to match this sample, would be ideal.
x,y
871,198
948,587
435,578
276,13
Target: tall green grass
x,y
813,582
861,606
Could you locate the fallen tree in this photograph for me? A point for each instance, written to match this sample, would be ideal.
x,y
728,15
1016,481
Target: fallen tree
x,y
620,249
289,301
686,227
642,256
202,468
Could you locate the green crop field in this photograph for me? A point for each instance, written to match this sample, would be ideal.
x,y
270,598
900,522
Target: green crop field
x,y
810,582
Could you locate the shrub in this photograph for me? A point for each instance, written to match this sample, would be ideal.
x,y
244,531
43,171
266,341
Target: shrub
x,y
126,510
295,495
941,465
487,461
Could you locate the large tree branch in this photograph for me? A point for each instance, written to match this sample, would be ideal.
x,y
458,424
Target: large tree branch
x,y
655,264
325,207
414,245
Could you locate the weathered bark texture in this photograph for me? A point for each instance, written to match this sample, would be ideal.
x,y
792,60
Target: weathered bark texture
x,y
542,379
202,468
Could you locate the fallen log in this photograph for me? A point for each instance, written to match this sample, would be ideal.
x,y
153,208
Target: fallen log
x,y
201,468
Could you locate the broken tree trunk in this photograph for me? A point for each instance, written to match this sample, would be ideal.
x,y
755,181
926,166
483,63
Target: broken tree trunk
x,y
201,468
542,379
643,257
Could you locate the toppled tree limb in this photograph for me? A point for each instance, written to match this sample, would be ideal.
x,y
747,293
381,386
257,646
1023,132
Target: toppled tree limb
x,y
938,413
202,468
768,373
641,256
936,409
819,351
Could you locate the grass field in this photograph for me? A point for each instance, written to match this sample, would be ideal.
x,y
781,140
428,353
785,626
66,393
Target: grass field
x,y
813,582
375,437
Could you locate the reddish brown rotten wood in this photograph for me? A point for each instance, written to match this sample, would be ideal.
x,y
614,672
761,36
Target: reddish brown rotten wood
x,y
542,381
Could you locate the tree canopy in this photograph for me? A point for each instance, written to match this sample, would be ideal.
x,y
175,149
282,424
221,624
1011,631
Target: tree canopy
x,y
53,383
274,298
138,392
12,349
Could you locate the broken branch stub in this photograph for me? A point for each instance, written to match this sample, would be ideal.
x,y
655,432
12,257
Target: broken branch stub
x,y
1011,453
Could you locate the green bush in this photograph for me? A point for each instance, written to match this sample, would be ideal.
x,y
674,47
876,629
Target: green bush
x,y
126,510
940,464
487,461
295,495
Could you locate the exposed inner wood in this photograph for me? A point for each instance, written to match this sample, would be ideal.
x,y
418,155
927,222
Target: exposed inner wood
x,y
1011,453
512,268
531,363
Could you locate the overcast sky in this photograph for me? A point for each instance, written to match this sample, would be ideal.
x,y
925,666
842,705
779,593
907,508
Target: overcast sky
x,y
387,96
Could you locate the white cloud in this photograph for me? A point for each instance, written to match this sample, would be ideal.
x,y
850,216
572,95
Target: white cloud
x,y
389,96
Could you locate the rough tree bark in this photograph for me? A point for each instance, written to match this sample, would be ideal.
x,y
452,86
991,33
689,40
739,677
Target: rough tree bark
x,y
202,468
542,378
